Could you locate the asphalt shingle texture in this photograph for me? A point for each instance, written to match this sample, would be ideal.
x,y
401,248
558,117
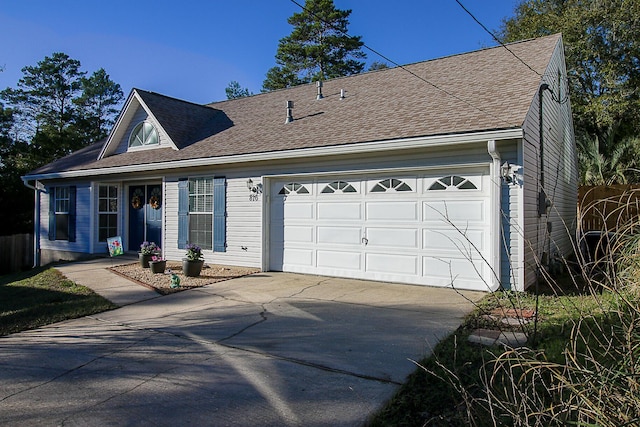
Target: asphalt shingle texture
x,y
483,90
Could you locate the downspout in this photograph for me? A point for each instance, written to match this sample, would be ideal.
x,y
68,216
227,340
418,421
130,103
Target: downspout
x,y
496,197
543,201
541,90
36,221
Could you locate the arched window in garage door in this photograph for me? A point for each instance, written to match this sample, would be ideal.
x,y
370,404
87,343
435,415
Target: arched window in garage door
x,y
390,184
293,188
453,182
339,187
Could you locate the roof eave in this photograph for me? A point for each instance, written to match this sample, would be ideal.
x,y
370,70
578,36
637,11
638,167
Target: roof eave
x,y
357,148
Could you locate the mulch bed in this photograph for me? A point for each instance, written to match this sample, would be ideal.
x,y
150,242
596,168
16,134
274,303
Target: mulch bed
x,y
161,282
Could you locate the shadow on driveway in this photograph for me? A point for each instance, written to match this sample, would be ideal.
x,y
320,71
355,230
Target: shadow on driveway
x,y
269,349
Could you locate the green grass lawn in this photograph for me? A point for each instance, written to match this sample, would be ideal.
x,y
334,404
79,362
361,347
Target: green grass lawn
x,y
452,380
42,296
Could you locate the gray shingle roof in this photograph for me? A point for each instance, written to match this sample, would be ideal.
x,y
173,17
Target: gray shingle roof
x,y
483,90
184,122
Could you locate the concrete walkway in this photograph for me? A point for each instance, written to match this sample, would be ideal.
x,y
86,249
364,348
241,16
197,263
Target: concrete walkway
x,y
272,349
94,274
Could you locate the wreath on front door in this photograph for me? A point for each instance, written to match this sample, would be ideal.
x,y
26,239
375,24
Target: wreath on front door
x,y
136,199
156,198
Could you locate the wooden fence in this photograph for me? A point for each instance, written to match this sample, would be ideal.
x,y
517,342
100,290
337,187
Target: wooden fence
x,y
16,253
605,207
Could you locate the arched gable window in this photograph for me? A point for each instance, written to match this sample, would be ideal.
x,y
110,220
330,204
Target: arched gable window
x,y
144,135
453,182
339,187
293,188
390,184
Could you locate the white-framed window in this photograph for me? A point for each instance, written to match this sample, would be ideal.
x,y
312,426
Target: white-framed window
x,y
201,212
61,211
107,211
144,135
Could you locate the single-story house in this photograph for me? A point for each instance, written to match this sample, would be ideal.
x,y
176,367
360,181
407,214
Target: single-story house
x,y
459,171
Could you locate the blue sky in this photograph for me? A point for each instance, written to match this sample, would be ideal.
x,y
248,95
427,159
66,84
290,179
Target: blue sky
x,y
193,49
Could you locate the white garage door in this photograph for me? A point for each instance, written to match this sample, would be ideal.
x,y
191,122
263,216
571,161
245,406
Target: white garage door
x,y
422,229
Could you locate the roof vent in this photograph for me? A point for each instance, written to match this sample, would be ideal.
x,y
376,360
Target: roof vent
x,y
342,94
319,85
289,118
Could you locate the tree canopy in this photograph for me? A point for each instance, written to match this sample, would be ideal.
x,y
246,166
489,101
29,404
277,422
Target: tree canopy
x,y
602,45
235,91
318,48
57,110
54,110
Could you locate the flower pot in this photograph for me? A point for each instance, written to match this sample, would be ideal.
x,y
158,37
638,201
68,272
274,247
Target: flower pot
x,y
191,268
158,266
144,260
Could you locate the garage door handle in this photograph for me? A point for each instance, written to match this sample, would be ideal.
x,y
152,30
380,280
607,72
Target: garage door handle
x,y
365,241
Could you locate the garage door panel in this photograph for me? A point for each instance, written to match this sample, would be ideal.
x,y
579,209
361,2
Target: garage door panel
x,y
392,211
392,237
298,211
294,256
453,240
339,235
397,264
298,234
455,211
339,211
339,259
453,268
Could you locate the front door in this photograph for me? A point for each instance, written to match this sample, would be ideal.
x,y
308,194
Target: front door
x,y
145,215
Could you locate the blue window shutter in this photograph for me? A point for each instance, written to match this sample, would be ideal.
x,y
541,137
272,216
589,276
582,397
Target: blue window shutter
x,y
183,213
72,213
52,213
220,214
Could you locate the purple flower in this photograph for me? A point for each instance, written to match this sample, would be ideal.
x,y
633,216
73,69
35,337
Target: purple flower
x,y
149,248
194,252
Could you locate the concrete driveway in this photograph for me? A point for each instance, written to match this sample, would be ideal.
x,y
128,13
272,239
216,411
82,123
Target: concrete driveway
x,y
272,349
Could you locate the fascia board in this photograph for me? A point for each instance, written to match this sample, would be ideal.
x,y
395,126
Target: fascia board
x,y
155,120
358,148
117,125
125,114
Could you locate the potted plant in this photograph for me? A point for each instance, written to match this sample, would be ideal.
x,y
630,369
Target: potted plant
x,y
157,264
147,250
192,264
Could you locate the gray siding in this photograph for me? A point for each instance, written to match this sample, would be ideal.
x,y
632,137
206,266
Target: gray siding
x,y
553,233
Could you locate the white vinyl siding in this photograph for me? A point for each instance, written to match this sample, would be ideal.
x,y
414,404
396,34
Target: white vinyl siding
x,y
246,216
560,168
511,221
244,221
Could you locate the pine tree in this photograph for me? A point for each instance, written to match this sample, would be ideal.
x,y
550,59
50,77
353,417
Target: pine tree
x,y
98,105
235,91
318,48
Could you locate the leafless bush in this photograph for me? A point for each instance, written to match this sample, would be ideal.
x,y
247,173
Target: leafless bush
x,y
598,380
594,377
